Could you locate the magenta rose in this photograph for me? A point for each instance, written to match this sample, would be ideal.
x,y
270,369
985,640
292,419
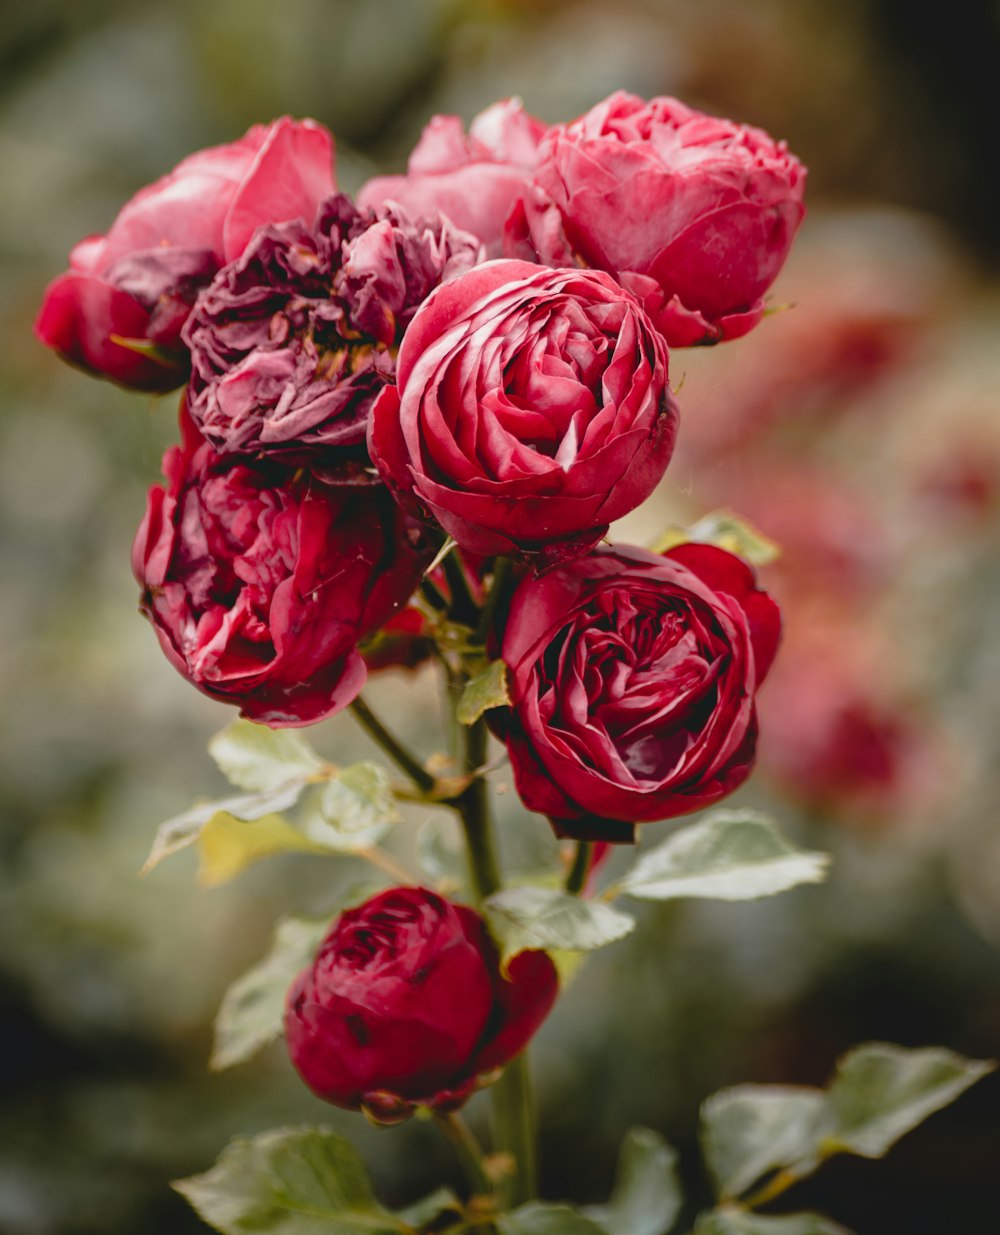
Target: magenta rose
x,y
473,179
138,282
292,342
260,581
692,213
405,1006
531,409
632,679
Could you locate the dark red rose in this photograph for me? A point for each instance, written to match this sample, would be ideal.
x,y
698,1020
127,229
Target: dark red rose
x,y
292,342
532,409
404,1005
261,581
473,179
693,214
632,681
139,281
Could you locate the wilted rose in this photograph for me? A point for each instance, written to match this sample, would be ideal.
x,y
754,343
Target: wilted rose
x,y
260,582
119,309
532,408
473,179
632,679
692,213
292,342
405,1005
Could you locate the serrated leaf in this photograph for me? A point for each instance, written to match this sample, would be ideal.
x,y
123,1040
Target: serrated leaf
x,y
541,1218
880,1092
359,797
184,829
252,1011
541,918
749,1130
738,1222
290,1181
729,531
257,758
421,1213
227,845
647,1194
486,690
728,855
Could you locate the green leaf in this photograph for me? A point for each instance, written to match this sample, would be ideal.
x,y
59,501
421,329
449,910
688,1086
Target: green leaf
x,y
227,845
486,690
752,1129
423,1212
185,829
647,1195
541,1218
729,531
312,821
728,855
257,758
539,918
738,1222
253,1009
290,1181
359,797
881,1091
440,850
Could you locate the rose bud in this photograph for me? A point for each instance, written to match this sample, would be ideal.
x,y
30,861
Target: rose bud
x,y
291,343
260,581
473,179
532,408
405,1006
693,214
632,680
118,311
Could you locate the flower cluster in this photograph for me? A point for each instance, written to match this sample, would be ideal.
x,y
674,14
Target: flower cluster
x,y
476,351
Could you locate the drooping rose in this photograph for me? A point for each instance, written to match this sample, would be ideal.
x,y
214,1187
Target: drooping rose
x,y
531,409
292,342
473,179
693,214
138,282
632,679
260,581
405,1005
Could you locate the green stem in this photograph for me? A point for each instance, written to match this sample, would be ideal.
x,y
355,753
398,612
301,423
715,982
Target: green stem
x,y
391,745
577,876
474,807
502,570
459,1135
514,1130
463,608
774,1187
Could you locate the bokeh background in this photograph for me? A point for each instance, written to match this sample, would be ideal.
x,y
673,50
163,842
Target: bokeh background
x,y
859,429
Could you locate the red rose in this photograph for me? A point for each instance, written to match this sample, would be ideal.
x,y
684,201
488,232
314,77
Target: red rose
x,y
404,1005
532,409
140,280
632,681
473,179
692,213
260,582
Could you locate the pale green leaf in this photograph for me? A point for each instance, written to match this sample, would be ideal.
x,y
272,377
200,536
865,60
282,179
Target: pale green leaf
x,y
359,797
486,690
730,1221
440,850
750,1130
424,1211
311,820
669,538
647,1194
541,1218
729,531
728,855
290,1181
252,1011
227,845
540,918
258,758
184,829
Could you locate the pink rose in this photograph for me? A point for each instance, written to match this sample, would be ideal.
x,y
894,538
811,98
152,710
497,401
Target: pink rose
x,y
260,582
692,213
139,281
532,409
632,680
473,179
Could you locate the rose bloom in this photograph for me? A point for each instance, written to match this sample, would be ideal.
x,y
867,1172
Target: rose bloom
x,y
532,408
405,1006
260,581
138,282
292,342
692,213
632,679
473,179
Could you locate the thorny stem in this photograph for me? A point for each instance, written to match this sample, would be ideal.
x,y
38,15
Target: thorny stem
x,y
577,876
392,745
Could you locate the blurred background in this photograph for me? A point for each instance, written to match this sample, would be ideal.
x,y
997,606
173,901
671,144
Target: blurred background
x,y
859,429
